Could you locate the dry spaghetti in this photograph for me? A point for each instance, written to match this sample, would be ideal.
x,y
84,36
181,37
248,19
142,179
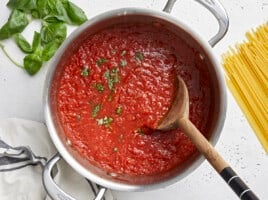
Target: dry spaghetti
x,y
246,68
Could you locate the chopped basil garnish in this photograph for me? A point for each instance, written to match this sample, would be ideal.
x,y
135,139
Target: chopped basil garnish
x,y
112,77
115,75
85,72
123,52
123,63
139,56
106,121
101,61
119,110
107,74
96,110
99,87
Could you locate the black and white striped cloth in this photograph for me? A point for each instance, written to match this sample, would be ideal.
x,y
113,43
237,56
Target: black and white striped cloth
x,y
12,158
25,147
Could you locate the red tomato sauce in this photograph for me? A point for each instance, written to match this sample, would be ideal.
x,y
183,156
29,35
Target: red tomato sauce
x,y
119,81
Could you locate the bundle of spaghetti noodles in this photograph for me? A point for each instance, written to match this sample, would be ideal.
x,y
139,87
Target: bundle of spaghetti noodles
x,y
246,68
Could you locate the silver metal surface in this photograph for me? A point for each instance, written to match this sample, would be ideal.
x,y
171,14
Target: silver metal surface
x,y
53,190
100,22
216,9
169,6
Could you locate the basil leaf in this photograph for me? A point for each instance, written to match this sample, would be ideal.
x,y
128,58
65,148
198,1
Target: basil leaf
x,y
62,13
76,14
49,50
101,61
99,87
96,109
106,121
22,43
36,41
42,8
118,110
53,32
16,23
25,5
53,11
46,7
139,56
35,14
53,19
123,63
85,72
32,63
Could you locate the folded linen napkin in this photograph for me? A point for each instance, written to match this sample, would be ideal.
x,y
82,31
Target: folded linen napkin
x,y
25,147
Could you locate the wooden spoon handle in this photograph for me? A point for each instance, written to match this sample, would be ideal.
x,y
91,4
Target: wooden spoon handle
x,y
215,159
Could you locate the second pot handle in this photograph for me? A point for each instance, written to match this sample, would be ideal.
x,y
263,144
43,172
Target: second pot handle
x,y
215,7
53,190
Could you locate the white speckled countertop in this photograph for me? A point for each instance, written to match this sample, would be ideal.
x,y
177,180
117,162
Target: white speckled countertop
x,y
21,96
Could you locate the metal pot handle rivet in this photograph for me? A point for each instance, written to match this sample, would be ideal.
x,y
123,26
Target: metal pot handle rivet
x,y
53,190
217,10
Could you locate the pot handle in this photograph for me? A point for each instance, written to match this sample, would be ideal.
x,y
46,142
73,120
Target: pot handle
x,y
215,7
53,190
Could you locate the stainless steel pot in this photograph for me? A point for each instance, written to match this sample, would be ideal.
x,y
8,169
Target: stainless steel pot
x,y
100,22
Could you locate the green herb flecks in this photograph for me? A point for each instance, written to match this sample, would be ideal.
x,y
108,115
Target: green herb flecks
x,y
99,87
112,77
139,56
105,121
123,63
124,52
85,71
118,110
96,109
54,15
101,61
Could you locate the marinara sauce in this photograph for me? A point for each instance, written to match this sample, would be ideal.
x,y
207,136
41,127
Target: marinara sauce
x,y
115,89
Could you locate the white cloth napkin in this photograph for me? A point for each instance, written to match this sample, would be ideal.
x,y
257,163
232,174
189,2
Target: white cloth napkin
x,y
25,183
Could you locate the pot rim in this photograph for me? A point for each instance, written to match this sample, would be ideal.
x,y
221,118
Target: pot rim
x,y
50,124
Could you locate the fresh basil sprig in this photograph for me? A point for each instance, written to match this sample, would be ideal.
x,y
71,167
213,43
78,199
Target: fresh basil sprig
x,y
45,45
54,15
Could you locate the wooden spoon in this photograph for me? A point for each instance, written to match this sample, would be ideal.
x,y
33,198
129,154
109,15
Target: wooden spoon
x,y
178,116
